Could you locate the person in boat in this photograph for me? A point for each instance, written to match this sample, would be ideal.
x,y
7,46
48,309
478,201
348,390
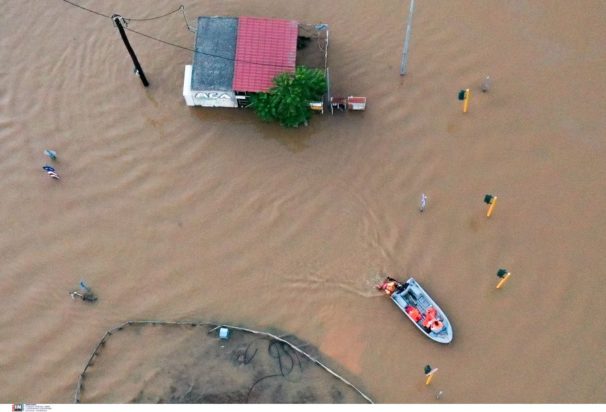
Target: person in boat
x,y
401,287
431,323
389,285
434,326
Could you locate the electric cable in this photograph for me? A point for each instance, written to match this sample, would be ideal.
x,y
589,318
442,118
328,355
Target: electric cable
x,y
173,44
155,18
84,8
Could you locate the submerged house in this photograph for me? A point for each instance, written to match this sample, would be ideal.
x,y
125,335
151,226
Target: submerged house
x,y
237,56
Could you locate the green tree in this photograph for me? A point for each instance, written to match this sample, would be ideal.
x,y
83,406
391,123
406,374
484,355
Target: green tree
x,y
287,102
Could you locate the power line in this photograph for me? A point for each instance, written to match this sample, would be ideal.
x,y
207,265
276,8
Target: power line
x,y
173,44
181,7
84,8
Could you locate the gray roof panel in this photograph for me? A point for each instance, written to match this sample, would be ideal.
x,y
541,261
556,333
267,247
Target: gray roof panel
x,y
216,36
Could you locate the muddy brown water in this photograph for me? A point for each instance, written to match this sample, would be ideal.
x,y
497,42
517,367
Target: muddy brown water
x,y
171,212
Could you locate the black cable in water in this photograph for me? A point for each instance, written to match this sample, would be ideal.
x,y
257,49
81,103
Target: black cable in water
x,y
259,380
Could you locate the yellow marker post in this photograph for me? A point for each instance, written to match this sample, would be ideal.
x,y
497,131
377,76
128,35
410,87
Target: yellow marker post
x,y
466,100
503,280
492,204
429,372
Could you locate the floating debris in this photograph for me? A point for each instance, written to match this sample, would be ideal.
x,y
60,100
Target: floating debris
x,y
423,204
85,293
87,297
223,333
84,287
51,153
51,171
485,84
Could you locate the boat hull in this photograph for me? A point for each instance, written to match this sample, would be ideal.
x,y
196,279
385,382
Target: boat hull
x,y
414,295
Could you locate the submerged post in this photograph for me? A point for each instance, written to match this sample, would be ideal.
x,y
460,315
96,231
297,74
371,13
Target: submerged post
x,y
404,65
117,19
503,274
429,372
491,201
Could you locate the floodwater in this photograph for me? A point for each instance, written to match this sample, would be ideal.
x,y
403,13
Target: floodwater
x,y
171,212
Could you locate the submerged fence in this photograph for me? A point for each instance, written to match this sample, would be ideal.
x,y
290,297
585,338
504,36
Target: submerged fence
x,y
213,327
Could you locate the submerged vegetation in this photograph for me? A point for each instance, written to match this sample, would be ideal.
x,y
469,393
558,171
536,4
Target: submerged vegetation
x,y
288,101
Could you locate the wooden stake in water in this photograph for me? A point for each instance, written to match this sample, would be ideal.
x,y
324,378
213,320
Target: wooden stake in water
x,y
429,372
404,65
504,275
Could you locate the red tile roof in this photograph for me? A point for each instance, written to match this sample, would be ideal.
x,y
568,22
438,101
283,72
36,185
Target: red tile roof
x,y
264,48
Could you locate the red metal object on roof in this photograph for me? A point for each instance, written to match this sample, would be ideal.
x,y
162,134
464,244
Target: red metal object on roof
x,y
264,48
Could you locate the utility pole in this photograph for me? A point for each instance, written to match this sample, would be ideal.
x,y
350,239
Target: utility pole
x,y
403,66
117,19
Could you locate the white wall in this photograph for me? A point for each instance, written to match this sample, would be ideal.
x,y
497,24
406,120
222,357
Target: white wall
x,y
206,98
189,98
213,98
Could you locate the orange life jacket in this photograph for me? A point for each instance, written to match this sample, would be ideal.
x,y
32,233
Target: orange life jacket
x,y
430,316
414,313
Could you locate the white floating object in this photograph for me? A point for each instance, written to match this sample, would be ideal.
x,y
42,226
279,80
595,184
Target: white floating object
x,y
223,333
